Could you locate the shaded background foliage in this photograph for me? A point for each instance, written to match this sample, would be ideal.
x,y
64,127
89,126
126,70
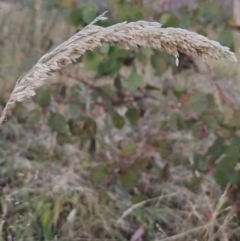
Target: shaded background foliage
x,y
116,128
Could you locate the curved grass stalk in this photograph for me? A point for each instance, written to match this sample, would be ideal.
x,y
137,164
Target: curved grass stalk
x,y
124,35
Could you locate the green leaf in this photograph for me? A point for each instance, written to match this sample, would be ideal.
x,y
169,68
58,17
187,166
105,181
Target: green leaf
x,y
195,181
165,148
74,111
234,121
169,20
117,120
234,177
230,160
144,55
221,177
226,38
179,159
114,51
64,138
134,81
129,179
128,149
177,120
110,67
186,17
34,117
89,12
133,115
200,162
100,174
216,150
93,60
126,12
235,140
178,92
195,130
57,122
43,97
209,12
160,61
76,94
201,102
137,198
108,92
212,121
75,17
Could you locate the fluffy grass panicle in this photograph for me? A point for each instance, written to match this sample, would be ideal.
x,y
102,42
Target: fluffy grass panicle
x,y
124,35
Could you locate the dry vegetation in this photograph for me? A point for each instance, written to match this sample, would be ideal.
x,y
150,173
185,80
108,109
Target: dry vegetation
x,y
48,185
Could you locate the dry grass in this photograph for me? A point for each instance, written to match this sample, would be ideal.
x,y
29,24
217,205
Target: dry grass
x,y
80,211
141,33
